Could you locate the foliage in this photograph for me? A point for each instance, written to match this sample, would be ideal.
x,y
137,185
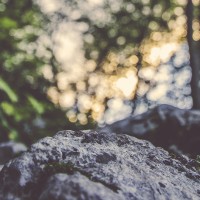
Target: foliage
x,y
26,113
116,39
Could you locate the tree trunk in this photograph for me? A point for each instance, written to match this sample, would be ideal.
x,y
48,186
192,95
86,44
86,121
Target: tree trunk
x,y
194,50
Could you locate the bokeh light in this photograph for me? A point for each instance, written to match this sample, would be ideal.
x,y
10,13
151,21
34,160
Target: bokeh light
x,y
129,73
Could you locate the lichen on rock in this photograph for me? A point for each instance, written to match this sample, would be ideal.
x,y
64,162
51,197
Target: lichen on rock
x,y
96,165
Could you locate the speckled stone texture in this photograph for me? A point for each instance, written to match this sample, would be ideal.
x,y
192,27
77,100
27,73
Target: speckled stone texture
x,y
165,126
90,165
9,150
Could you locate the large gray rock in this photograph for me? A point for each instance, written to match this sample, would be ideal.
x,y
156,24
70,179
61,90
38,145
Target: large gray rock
x,y
90,165
9,150
165,126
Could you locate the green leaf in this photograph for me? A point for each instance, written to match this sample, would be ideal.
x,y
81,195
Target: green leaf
x,y
7,108
36,104
7,23
13,135
8,90
10,110
3,120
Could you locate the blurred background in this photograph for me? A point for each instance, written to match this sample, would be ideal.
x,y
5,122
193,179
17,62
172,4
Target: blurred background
x,y
78,64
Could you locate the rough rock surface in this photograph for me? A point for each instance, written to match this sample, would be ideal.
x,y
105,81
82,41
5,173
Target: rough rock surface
x,y
88,165
9,150
165,126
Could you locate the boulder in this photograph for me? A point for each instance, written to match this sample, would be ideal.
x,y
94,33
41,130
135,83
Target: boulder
x,y
9,150
90,165
174,129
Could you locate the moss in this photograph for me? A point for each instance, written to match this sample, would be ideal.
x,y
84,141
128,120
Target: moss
x,y
191,163
198,162
69,168
57,167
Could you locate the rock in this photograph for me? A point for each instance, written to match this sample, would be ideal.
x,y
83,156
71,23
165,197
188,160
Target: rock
x,y
171,128
76,186
9,150
87,165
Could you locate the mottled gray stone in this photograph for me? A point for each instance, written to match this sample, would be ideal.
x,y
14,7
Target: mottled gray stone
x,y
10,149
90,165
76,186
165,126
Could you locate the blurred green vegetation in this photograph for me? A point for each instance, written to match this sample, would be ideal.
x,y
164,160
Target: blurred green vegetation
x,y
26,113
123,28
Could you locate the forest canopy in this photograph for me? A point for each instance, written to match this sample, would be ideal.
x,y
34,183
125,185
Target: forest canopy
x,y
68,64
